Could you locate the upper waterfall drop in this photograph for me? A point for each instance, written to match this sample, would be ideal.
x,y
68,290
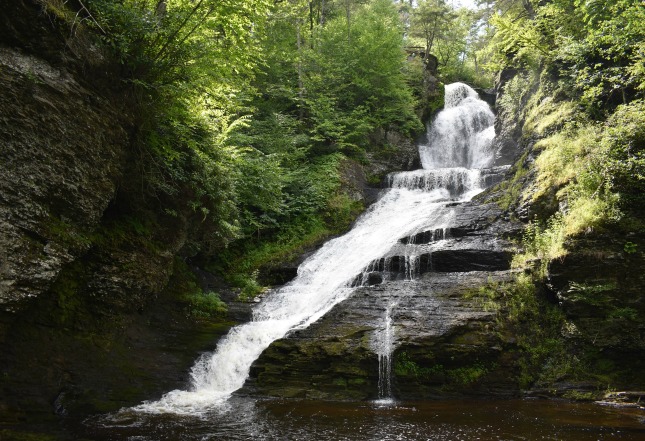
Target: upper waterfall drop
x,y
461,135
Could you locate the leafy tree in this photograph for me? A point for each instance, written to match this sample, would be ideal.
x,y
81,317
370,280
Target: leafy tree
x,y
598,43
243,109
354,88
431,21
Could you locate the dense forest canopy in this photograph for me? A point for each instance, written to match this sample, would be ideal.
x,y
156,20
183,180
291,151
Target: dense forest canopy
x,y
256,105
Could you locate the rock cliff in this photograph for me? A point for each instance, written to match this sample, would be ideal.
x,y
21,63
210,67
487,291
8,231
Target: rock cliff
x,y
94,313
63,154
92,294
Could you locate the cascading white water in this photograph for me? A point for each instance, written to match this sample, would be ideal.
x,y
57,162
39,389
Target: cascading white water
x,y
461,135
417,200
460,140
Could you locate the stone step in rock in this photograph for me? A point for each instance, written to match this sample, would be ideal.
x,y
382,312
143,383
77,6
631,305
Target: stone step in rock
x,y
445,260
431,236
493,175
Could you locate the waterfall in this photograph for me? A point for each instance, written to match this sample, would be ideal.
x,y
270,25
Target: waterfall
x,y
460,140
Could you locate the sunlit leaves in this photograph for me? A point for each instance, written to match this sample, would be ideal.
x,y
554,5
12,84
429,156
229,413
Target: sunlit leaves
x,y
431,21
354,88
600,44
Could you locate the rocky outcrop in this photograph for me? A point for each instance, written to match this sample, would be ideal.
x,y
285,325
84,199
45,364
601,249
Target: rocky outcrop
x,y
509,122
445,343
599,287
63,152
597,283
397,153
436,331
94,313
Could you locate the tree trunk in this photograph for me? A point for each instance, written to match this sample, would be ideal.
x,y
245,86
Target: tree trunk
x,y
347,12
301,91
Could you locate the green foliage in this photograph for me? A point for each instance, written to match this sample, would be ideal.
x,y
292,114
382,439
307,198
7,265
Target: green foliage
x,y
577,395
247,283
431,21
467,375
200,305
62,232
576,165
244,113
437,101
626,314
623,142
205,305
542,243
518,37
181,41
71,310
510,190
354,78
404,366
592,294
630,247
536,326
453,36
548,115
597,171
243,260
515,95
607,62
485,297
189,66
598,44
463,376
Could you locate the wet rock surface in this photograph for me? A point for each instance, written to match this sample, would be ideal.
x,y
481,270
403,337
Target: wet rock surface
x,y
445,342
436,331
598,285
87,320
61,167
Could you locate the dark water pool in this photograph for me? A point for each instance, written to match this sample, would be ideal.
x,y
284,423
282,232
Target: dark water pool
x,y
244,419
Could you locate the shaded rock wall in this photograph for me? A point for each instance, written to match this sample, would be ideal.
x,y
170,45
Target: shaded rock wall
x,y
438,334
599,287
598,284
63,152
93,307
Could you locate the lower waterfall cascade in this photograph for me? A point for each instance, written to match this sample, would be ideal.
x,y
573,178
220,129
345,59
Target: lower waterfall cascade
x,y
416,202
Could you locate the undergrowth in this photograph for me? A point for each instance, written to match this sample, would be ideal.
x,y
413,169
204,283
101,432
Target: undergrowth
x,y
199,304
535,325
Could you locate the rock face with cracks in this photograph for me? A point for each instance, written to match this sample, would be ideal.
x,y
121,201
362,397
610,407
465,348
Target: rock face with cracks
x,y
93,309
62,155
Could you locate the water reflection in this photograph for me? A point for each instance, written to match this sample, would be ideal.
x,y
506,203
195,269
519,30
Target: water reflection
x,y
246,419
